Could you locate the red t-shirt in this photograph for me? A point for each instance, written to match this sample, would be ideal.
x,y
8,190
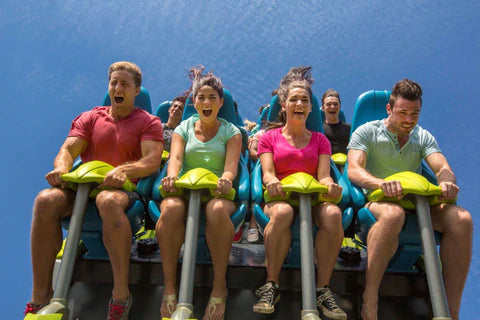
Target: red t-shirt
x,y
115,142
287,159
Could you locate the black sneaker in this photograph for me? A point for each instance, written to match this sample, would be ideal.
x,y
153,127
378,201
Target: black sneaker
x,y
269,295
328,306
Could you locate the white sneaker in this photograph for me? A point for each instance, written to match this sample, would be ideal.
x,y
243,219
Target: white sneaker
x,y
252,235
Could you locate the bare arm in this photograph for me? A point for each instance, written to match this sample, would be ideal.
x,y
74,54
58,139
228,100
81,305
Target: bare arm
x,y
323,173
148,164
357,174
445,176
253,148
175,162
270,180
69,151
232,156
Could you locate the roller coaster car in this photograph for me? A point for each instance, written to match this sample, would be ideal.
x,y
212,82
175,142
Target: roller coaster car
x,y
314,124
371,106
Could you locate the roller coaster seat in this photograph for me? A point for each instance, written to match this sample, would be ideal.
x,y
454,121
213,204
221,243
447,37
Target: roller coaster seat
x,y
314,124
369,106
241,183
92,225
162,111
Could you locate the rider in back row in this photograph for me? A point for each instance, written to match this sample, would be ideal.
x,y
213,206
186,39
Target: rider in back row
x,y
132,141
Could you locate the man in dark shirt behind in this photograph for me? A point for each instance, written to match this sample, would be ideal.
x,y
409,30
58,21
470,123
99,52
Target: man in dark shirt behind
x,y
337,132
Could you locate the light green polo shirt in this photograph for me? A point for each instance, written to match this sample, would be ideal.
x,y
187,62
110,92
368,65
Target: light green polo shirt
x,y
209,155
384,155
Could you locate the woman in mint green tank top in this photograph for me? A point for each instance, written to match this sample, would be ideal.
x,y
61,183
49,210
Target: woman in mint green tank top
x,y
215,144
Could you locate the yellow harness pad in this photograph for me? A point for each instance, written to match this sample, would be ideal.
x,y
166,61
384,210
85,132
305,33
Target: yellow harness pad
x,y
93,171
196,179
339,158
412,183
55,316
301,182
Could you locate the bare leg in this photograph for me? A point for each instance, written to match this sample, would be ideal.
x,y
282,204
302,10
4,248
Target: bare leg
x,y
219,233
46,238
277,236
117,238
382,241
328,218
170,233
455,250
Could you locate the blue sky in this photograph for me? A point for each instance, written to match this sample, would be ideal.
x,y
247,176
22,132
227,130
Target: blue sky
x,y
55,56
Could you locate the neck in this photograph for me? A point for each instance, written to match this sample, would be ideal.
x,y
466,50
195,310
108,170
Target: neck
x,y
172,123
332,121
118,114
294,130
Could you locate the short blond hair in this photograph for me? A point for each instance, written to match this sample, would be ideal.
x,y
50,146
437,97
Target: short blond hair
x,y
129,67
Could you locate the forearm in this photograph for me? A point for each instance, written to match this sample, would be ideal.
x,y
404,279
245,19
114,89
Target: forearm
x,y
63,161
446,175
364,179
141,168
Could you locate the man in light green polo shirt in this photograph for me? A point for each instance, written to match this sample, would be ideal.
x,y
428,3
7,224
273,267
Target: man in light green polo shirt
x,y
380,148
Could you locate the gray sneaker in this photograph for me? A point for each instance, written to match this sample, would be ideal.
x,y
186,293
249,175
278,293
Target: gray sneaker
x,y
269,295
328,306
118,310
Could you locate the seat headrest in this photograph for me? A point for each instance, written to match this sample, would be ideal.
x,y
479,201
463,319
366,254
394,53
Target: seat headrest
x,y
162,111
142,100
370,106
314,120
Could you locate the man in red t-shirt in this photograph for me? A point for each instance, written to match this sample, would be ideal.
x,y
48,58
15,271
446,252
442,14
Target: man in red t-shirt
x,y
124,136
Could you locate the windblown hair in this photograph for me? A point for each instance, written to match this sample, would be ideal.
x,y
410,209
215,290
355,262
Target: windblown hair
x,y
200,80
331,93
129,67
297,77
406,89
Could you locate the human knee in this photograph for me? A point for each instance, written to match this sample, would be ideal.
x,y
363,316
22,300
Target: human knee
x,y
393,216
108,200
282,215
51,202
172,212
463,223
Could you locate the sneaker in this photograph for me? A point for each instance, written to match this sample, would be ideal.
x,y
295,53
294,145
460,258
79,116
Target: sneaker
x,y
119,311
269,295
328,306
237,237
32,308
252,235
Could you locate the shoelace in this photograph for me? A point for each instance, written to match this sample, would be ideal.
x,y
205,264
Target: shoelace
x,y
328,299
266,293
32,308
116,311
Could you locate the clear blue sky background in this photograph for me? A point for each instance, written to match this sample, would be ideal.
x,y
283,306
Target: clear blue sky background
x,y
55,55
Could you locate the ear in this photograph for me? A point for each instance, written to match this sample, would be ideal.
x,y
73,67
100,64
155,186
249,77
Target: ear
x,y
322,108
137,91
221,102
282,104
389,109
